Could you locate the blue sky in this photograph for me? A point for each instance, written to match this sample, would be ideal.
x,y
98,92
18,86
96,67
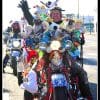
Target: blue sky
x,y
12,12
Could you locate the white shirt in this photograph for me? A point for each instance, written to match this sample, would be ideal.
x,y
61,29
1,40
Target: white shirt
x,y
31,86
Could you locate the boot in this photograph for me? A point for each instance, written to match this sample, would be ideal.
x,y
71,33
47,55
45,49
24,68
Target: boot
x,y
85,91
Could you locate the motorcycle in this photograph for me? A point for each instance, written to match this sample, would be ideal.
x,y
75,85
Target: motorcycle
x,y
58,84
14,52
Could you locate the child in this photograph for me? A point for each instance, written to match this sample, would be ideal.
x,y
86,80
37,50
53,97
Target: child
x,y
29,76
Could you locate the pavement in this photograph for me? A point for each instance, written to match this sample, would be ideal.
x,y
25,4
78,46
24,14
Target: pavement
x,y
11,90
91,62
90,57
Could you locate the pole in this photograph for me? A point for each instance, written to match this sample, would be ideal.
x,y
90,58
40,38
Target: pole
x,y
78,10
90,24
81,54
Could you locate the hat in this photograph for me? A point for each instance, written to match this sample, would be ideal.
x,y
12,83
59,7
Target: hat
x,y
57,8
32,54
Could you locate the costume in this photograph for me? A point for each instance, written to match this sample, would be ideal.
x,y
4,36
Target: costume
x,y
56,15
29,75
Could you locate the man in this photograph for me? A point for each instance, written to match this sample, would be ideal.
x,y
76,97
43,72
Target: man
x,y
16,34
56,15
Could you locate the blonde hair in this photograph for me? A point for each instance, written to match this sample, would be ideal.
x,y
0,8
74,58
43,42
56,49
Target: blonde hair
x,y
78,21
47,25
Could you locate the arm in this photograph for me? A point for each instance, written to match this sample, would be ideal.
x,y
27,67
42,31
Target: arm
x,y
31,85
25,9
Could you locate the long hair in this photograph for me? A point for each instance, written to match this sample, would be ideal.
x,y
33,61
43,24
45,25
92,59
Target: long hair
x,y
51,55
16,27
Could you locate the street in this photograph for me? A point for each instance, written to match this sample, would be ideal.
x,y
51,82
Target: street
x,y
11,90
90,62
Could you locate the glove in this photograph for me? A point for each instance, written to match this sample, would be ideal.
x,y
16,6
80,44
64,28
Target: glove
x,y
82,41
23,5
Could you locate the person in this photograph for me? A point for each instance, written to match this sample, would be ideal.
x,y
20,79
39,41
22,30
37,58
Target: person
x,y
76,31
30,77
16,34
80,28
56,15
29,84
75,70
46,32
16,29
20,68
75,38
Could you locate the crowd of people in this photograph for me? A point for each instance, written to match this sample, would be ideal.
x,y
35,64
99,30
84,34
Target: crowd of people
x,y
46,24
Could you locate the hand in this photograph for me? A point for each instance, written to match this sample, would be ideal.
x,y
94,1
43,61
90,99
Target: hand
x,y
22,87
82,41
23,5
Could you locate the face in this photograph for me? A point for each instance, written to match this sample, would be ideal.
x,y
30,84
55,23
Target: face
x,y
45,26
56,60
77,25
16,27
56,15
